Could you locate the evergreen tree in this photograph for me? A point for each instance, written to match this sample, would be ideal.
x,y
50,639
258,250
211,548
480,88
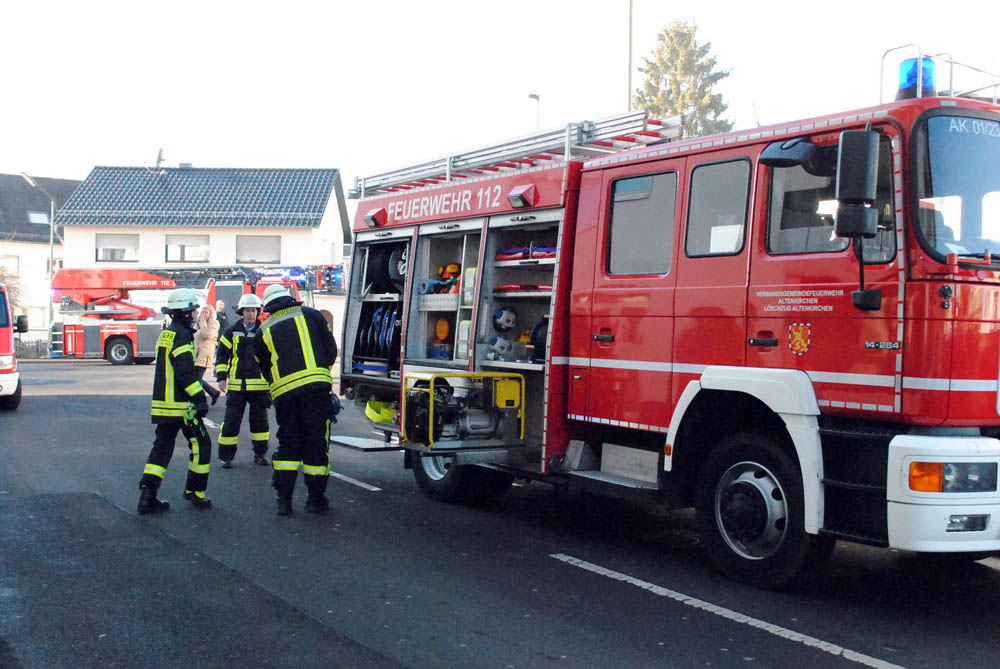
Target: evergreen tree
x,y
680,77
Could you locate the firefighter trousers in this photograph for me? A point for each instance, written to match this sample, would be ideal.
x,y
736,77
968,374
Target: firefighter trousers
x,y
303,441
236,403
163,448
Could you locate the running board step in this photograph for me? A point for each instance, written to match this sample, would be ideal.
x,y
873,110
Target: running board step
x,y
366,445
613,485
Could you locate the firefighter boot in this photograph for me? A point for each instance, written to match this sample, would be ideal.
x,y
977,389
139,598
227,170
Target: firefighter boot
x,y
260,460
317,503
148,502
284,506
198,499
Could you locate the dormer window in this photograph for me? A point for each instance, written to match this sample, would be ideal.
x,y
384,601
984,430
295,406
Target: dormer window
x,y
39,217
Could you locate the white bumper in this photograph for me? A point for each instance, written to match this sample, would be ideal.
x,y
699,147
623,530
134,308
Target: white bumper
x,y
8,383
918,520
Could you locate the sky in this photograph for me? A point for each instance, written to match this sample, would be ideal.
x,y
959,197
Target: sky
x,y
374,85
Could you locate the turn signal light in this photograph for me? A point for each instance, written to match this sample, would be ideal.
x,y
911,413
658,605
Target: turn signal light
x,y
926,476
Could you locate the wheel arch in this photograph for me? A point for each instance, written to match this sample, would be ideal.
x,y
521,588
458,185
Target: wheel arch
x,y
781,402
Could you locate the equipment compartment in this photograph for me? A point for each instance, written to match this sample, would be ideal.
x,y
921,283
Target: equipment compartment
x,y
374,319
445,260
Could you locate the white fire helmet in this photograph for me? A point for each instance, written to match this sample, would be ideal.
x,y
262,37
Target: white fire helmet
x,y
504,319
181,299
273,292
501,345
248,300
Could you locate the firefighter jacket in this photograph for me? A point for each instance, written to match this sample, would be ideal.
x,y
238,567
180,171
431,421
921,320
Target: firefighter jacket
x,y
235,359
175,382
296,350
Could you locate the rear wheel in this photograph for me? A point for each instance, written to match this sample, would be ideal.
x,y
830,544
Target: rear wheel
x,y
440,478
11,402
118,351
750,507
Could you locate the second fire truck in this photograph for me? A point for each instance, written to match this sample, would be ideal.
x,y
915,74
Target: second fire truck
x,y
794,329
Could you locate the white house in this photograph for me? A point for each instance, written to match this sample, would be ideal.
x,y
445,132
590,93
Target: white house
x,y
180,217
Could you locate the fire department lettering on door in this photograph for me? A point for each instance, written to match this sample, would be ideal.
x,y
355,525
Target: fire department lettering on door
x,y
448,203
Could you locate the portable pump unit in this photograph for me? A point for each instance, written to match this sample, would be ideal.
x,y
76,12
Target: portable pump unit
x,y
483,407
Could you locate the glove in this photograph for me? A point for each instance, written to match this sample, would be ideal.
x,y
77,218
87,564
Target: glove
x,y
201,406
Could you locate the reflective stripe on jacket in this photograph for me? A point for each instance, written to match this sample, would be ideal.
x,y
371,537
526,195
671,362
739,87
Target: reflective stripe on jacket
x,y
296,350
235,359
175,382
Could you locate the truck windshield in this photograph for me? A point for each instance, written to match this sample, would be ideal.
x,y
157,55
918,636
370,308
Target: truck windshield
x,y
959,186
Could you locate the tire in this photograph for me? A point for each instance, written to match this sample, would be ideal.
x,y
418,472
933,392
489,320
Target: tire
x,y
438,477
12,402
118,351
750,508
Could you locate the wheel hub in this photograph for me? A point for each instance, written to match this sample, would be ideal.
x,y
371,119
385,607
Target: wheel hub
x,y
743,511
751,510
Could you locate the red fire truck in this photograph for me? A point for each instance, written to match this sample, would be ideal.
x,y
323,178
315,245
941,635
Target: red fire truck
x,y
100,321
793,329
10,378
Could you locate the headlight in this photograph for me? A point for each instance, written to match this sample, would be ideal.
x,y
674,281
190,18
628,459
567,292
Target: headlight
x,y
953,476
6,362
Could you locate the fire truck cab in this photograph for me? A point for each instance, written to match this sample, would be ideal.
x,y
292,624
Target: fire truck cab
x,y
794,329
10,378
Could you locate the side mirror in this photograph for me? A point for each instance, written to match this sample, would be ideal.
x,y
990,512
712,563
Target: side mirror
x,y
788,153
857,174
21,324
857,178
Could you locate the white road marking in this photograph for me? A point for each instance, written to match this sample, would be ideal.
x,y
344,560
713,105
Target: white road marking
x,y
356,482
735,616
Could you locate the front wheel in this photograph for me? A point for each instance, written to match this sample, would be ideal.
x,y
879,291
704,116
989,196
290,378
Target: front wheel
x,y
750,507
119,352
12,402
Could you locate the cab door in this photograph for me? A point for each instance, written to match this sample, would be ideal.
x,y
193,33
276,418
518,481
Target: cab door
x,y
801,315
713,267
631,323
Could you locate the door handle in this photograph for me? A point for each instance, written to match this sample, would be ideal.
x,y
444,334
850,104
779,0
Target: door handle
x,y
758,341
604,337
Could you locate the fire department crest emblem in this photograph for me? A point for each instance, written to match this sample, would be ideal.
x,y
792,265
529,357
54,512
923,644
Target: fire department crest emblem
x,y
798,338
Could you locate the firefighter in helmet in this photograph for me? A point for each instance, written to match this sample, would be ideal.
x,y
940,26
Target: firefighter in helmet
x,y
296,350
238,374
179,404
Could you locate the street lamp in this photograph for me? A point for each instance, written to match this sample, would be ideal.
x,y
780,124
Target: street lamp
x,y
538,109
52,236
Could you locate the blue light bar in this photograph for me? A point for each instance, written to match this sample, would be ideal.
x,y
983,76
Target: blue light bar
x,y
908,79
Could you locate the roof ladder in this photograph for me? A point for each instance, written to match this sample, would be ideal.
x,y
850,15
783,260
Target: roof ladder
x,y
577,141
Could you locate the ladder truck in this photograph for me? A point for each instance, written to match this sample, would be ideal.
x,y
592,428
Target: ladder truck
x,y
793,329
102,319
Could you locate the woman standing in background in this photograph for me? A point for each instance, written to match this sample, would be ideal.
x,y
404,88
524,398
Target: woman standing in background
x,y
205,341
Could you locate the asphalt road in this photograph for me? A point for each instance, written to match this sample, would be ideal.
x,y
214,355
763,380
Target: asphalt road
x,y
389,578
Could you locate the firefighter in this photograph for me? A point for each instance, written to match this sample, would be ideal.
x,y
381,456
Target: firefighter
x,y
296,350
238,375
179,404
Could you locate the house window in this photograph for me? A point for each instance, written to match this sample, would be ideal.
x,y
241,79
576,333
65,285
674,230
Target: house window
x,y
116,248
257,249
56,265
39,217
187,248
